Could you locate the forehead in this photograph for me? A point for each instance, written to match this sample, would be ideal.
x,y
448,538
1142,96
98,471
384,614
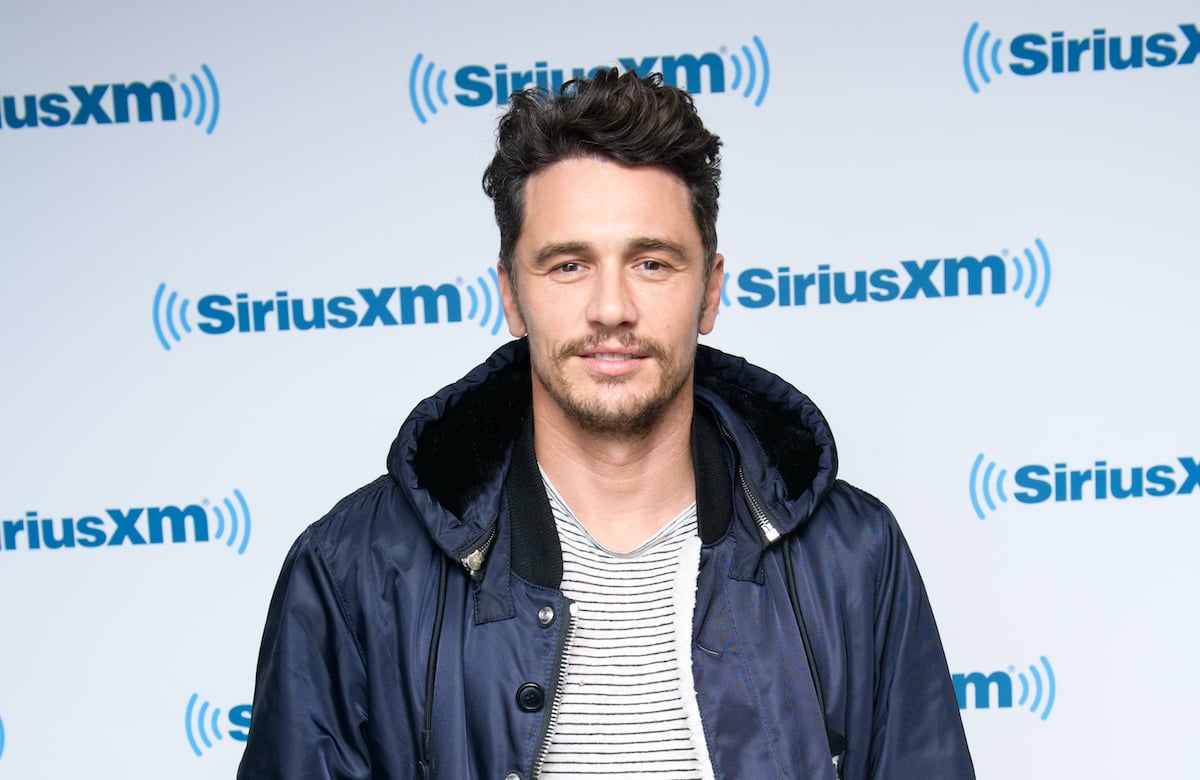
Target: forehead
x,y
589,198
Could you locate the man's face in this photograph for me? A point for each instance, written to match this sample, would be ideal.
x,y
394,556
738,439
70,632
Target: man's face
x,y
611,290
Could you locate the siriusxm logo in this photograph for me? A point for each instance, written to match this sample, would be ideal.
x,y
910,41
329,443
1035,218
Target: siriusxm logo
x,y
1039,695
1037,483
202,722
218,314
106,104
136,526
1034,54
948,277
745,70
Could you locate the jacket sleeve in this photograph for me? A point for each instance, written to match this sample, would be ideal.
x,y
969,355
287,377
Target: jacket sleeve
x,y
309,713
917,732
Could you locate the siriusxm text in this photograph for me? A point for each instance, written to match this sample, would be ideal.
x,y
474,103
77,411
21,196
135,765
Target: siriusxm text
x,y
100,104
1100,481
111,528
480,85
935,278
1035,53
368,307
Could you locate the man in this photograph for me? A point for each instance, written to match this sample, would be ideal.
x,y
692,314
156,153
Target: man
x,y
606,552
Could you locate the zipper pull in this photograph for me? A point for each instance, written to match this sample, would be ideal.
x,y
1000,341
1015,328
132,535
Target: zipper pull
x,y
474,564
473,561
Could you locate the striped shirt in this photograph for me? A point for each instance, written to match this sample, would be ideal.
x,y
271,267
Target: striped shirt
x,y
622,711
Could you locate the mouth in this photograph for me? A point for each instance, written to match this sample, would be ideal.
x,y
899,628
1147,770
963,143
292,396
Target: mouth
x,y
613,357
609,360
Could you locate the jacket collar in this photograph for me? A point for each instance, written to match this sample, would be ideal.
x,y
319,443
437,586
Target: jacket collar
x,y
463,449
536,554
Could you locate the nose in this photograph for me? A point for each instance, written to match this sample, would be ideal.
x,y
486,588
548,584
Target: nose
x,y
610,303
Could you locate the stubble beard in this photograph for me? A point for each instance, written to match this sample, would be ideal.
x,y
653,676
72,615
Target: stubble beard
x,y
625,418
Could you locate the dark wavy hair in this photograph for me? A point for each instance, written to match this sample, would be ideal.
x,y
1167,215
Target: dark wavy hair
x,y
637,121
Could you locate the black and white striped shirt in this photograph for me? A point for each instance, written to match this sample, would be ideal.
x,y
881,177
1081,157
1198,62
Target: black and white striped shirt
x,y
623,710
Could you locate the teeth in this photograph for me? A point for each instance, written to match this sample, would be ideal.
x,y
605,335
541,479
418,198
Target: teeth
x,y
606,356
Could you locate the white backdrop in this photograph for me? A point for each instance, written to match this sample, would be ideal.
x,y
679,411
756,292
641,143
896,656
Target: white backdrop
x,y
153,472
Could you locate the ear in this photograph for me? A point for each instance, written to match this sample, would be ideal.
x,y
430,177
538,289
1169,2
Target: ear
x,y
508,299
712,296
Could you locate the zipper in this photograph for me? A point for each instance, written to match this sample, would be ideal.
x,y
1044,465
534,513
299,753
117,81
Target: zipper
x,y
473,561
762,517
564,648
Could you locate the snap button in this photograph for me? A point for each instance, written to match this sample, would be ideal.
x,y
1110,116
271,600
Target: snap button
x,y
512,776
545,616
530,697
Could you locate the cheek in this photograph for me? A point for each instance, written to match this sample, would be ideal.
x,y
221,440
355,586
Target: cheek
x,y
552,313
684,320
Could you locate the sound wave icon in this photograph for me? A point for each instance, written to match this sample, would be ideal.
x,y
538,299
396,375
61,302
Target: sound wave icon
x,y
201,722
481,301
752,71
426,78
980,57
202,100
1038,689
1039,280
984,484
238,523
166,314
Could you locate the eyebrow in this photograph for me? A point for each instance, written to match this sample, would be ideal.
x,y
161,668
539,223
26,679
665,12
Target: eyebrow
x,y
657,244
641,244
551,251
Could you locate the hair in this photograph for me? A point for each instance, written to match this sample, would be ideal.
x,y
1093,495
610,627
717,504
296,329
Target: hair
x,y
633,120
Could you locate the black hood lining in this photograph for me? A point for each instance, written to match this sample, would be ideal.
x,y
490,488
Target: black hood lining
x,y
460,452
790,447
533,536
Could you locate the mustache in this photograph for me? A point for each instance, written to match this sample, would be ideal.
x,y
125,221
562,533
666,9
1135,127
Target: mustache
x,y
643,345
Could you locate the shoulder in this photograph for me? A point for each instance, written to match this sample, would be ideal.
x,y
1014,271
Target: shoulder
x,y
379,511
371,534
357,516
856,535
858,518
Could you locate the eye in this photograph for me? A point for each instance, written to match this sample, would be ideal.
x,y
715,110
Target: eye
x,y
652,265
568,267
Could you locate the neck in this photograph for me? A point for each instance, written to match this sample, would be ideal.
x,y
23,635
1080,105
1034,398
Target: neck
x,y
623,489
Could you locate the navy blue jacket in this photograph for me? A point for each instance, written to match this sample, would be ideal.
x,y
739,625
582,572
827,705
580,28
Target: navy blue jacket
x,y
404,641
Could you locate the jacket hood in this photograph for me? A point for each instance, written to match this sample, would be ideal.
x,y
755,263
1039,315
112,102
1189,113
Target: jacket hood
x,y
452,453
783,442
